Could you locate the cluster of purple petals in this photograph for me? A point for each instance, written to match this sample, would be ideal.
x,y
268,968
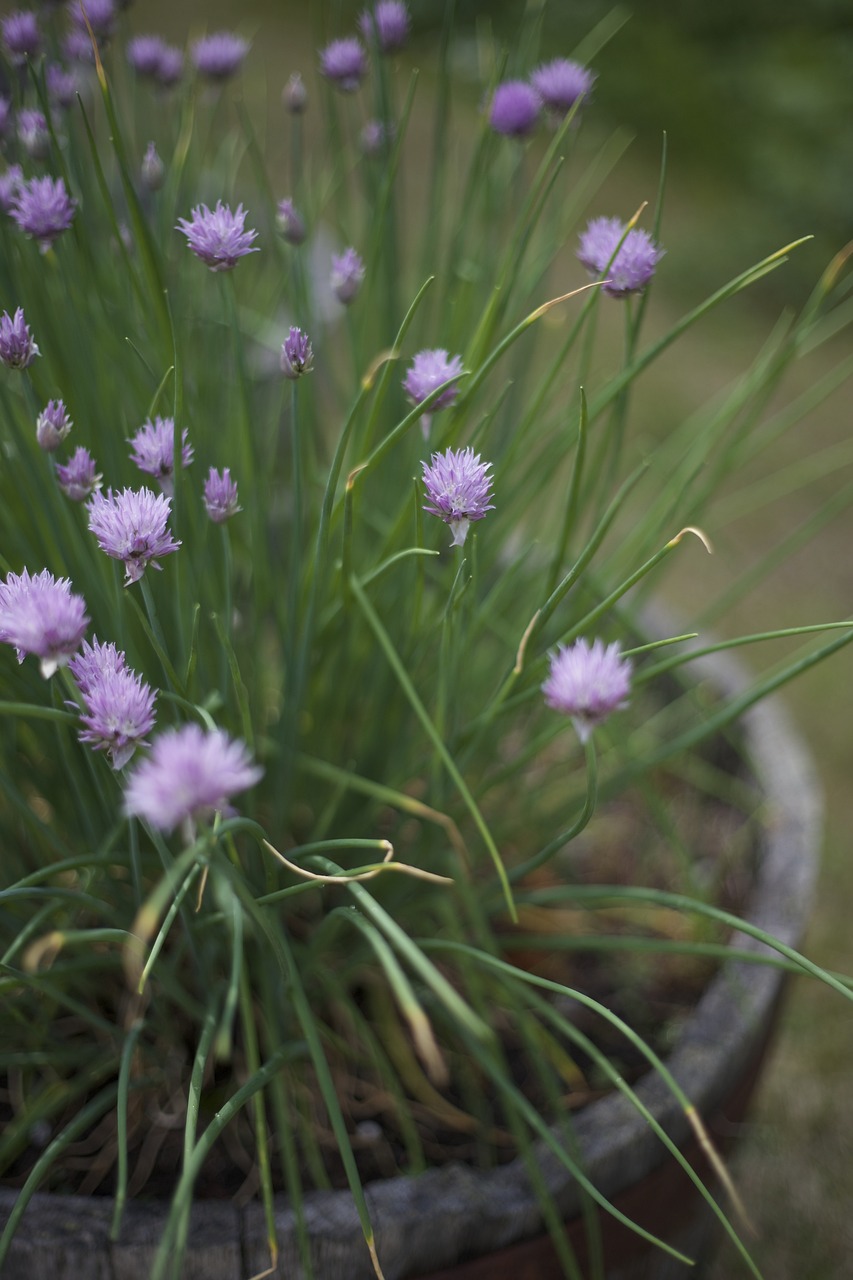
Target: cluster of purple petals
x,y
220,55
587,682
515,108
218,236
290,222
458,486
344,62
556,86
61,85
153,451
190,775
52,426
375,136
17,348
43,209
220,496
118,706
347,275
297,354
21,36
387,23
428,370
77,46
33,133
41,615
100,15
629,266
560,83
154,59
132,526
78,478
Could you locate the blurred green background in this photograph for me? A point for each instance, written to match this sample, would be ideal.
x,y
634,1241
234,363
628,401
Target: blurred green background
x,y
757,101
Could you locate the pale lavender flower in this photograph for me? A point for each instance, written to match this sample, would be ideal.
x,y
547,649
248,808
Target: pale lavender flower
x,y
294,95
344,62
78,479
190,775
171,66
560,83
132,526
297,354
217,236
218,56
290,222
587,682
17,348
43,209
144,54
118,713
458,486
32,133
21,36
101,15
52,426
514,109
387,23
41,615
61,85
153,451
94,661
428,370
631,269
10,182
347,275
153,170
77,46
375,137
220,496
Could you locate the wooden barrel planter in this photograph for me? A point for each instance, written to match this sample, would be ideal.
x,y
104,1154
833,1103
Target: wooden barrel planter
x,y
456,1223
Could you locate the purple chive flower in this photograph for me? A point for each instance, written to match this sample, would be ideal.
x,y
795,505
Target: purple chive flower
x,y
458,486
52,426
290,222
344,62
61,85
218,56
560,83
347,275
631,269
101,15
153,451
118,713
77,46
21,36
297,354
220,496
144,54
78,479
41,615
153,170
294,95
428,370
171,66
387,24
10,181
217,236
587,682
43,209
93,662
131,526
17,348
190,775
515,108
32,133
375,137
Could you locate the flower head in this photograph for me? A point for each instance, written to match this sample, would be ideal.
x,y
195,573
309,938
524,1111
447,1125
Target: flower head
x,y
41,615
428,370
218,56
78,479
100,14
21,36
344,62
347,275
93,662
515,108
632,267
33,134
10,182
17,348
144,53
153,451
43,209
217,236
118,711
587,682
290,222
458,486
77,46
61,85
190,775
560,83
132,526
297,354
375,136
52,426
387,23
220,496
171,66
294,95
